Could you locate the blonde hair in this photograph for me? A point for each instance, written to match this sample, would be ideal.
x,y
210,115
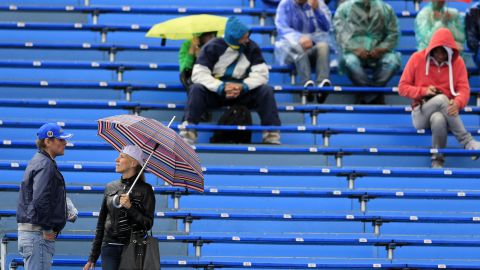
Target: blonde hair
x,y
138,168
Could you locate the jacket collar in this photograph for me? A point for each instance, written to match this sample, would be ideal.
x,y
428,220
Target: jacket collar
x,y
43,152
128,181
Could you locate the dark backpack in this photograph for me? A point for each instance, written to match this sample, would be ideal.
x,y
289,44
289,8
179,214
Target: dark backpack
x,y
236,115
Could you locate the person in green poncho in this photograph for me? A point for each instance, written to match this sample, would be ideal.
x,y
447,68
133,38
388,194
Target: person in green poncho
x,y
188,54
367,33
435,16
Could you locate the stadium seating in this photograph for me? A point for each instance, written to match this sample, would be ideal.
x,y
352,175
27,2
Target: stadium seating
x,y
349,188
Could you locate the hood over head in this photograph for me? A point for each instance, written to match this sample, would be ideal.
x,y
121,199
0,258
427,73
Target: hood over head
x,y
234,30
443,38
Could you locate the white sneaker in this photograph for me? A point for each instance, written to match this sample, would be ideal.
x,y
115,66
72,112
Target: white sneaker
x,y
325,82
310,96
188,135
322,96
309,83
271,137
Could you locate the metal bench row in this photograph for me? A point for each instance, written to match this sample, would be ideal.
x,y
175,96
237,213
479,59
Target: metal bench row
x,y
325,130
390,243
121,67
377,220
338,152
104,29
97,10
130,87
275,264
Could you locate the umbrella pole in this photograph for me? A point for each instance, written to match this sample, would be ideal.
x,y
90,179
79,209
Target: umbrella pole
x,y
148,159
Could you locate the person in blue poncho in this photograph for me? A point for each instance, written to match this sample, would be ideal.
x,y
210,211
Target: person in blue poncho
x,y
303,40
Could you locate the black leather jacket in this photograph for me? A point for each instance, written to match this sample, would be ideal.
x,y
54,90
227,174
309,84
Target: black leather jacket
x,y
139,218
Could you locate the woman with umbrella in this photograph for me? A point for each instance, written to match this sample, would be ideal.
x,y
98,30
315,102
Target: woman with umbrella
x,y
131,215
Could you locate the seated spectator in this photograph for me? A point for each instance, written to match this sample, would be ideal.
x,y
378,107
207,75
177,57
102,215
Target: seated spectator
x,y
188,54
231,70
367,33
472,29
435,16
303,39
437,81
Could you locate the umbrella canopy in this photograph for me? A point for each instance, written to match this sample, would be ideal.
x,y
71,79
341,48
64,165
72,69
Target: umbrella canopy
x,y
185,27
173,161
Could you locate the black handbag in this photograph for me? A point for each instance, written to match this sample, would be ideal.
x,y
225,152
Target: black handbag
x,y
141,253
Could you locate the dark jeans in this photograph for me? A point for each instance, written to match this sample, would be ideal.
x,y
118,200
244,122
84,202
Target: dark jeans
x,y
382,70
476,59
261,99
111,256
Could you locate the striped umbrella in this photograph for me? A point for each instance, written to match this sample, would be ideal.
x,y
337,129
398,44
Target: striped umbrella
x,y
173,160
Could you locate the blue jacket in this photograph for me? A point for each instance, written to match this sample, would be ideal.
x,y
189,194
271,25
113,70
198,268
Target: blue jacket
x,y
472,28
293,20
42,198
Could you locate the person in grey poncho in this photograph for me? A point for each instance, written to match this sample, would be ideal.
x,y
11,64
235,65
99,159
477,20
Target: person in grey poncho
x,y
367,33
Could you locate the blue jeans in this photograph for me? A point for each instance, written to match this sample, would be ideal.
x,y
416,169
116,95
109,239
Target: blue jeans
x,y
476,59
111,256
382,70
37,252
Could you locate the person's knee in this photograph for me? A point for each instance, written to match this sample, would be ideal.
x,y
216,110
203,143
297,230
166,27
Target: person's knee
x,y
266,91
322,47
351,61
438,121
196,88
353,65
441,99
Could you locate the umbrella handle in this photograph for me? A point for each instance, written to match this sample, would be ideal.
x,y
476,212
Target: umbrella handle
x,y
114,202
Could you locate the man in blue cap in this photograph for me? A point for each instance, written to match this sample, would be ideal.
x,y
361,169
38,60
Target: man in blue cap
x,y
228,71
42,203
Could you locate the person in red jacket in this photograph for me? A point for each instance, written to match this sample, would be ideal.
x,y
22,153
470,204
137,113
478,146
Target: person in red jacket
x,y
436,79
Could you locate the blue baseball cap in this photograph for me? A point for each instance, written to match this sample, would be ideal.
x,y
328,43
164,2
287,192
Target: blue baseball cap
x,y
52,130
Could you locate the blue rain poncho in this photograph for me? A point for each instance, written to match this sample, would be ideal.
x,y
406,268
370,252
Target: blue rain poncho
x,y
294,21
426,24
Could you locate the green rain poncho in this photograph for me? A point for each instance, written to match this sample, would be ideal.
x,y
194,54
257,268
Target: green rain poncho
x,y
426,23
356,28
